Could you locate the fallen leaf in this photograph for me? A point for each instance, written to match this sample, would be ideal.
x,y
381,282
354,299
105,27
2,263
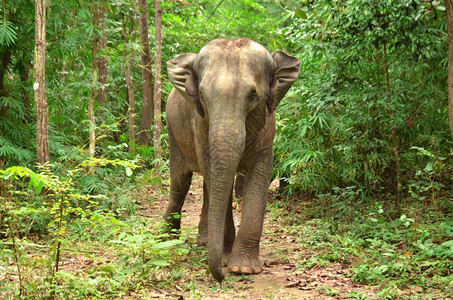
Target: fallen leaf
x,y
407,254
292,284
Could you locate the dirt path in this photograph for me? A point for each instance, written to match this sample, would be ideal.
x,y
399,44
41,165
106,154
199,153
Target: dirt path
x,y
280,255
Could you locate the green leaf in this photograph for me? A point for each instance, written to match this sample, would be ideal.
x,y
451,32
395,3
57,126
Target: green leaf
x,y
33,180
39,187
301,14
167,244
8,34
429,166
129,172
159,262
448,243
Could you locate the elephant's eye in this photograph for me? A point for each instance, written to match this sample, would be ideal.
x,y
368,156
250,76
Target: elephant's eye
x,y
253,96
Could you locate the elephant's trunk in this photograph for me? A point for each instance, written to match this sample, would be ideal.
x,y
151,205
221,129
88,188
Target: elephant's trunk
x,y
227,141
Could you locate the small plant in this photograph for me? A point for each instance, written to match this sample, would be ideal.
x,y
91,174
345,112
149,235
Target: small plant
x,y
426,186
329,291
52,196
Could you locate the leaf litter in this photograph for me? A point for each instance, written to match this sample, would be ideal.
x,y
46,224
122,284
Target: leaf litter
x,y
280,278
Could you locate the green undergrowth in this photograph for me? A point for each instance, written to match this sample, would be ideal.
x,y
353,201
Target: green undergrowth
x,y
60,238
407,253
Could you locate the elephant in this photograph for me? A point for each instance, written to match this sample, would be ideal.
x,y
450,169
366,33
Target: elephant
x,y
221,121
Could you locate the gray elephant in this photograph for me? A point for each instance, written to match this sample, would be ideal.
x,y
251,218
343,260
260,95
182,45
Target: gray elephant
x,y
221,121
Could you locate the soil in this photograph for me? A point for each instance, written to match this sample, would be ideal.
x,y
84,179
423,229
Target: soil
x,y
279,254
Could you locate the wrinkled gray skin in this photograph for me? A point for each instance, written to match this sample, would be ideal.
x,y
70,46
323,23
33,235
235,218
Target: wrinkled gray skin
x,y
221,121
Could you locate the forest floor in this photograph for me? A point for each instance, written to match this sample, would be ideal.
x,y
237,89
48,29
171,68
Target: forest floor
x,y
110,254
279,254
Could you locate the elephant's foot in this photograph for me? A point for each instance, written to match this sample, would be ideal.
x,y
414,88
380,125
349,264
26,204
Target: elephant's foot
x,y
225,258
244,265
202,240
172,227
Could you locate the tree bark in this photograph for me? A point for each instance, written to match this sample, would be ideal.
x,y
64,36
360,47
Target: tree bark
x,y
102,61
24,75
39,84
92,97
449,17
157,84
128,76
395,147
5,60
144,135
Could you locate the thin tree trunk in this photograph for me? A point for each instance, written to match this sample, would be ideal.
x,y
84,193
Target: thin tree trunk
x,y
128,75
92,97
395,147
91,119
39,84
144,135
6,59
102,61
24,75
449,17
157,84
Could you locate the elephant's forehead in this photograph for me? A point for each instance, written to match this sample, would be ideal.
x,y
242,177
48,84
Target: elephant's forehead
x,y
240,57
231,46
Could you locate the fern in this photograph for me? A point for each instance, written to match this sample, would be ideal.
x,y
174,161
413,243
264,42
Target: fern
x,y
12,153
8,33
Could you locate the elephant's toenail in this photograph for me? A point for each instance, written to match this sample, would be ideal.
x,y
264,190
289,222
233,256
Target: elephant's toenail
x,y
234,269
256,270
246,270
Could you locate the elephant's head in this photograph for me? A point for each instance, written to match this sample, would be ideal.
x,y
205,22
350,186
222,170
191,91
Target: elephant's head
x,y
232,85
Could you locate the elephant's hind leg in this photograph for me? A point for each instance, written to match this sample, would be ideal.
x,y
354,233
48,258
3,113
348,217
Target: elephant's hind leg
x,y
180,179
179,186
202,239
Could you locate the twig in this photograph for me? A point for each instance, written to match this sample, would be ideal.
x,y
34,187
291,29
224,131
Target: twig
x,y
57,259
16,259
215,9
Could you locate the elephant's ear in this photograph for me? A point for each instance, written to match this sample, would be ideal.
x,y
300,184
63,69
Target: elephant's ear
x,y
183,77
286,72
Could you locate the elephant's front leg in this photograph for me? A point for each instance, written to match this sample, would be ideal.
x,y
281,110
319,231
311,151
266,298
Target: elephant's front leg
x,y
244,257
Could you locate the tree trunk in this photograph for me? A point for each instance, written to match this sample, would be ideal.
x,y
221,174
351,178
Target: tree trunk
x,y
395,147
144,135
102,61
449,17
94,80
128,76
157,84
5,60
24,75
39,84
